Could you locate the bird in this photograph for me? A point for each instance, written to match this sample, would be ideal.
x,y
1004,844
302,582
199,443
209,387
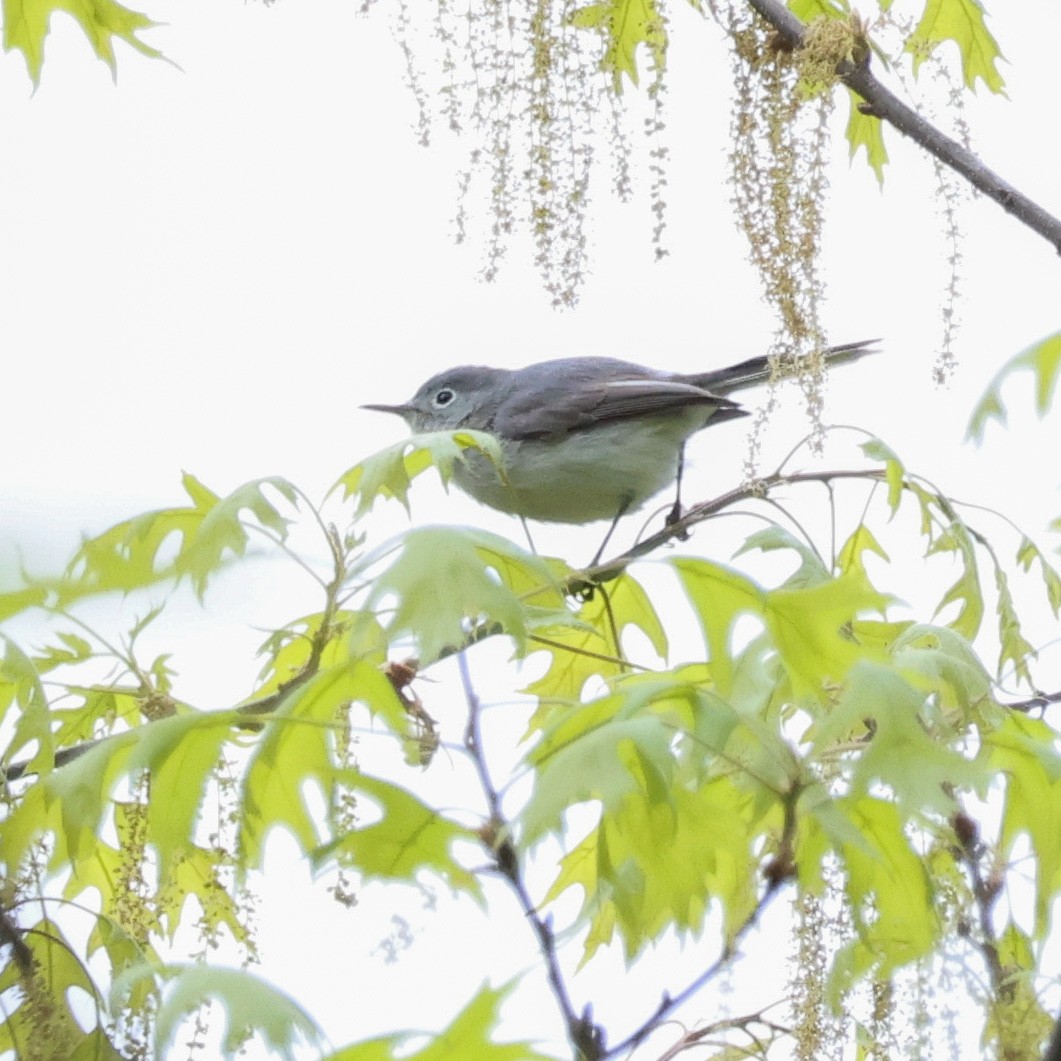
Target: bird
x,y
582,439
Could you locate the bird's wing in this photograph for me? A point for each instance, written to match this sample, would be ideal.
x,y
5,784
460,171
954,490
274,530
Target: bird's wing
x,y
581,395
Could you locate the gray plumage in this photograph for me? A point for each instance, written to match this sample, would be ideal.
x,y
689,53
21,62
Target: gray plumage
x,y
584,438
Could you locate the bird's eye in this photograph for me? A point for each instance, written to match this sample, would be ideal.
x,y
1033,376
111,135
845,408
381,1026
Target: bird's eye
x,y
443,398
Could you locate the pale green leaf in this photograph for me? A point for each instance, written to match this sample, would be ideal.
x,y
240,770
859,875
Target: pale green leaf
x,y
774,538
1043,360
26,25
866,132
409,837
252,1007
899,750
585,648
297,750
389,473
468,1038
447,581
20,687
960,21
894,470
1023,751
626,25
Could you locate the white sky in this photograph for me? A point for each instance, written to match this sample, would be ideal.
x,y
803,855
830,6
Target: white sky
x,y
211,267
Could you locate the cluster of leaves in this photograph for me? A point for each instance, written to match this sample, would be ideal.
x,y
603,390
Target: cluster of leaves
x,y
815,741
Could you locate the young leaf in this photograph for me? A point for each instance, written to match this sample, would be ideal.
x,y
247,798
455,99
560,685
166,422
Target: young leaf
x,y
252,1006
811,570
966,590
409,837
181,754
136,552
961,21
901,752
625,26
468,1037
1043,360
894,471
889,894
298,749
867,132
1023,751
390,473
26,26
586,648
448,580
20,685
58,977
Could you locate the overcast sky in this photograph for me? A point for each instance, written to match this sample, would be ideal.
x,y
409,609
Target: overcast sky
x,y
210,266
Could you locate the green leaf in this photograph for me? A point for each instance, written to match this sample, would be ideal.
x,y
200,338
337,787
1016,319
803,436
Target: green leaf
x,y
894,470
181,754
966,591
252,1006
13,602
1043,359
26,24
1014,648
773,538
290,649
60,977
409,837
810,626
672,833
889,894
447,581
944,666
585,649
297,749
599,751
20,686
197,874
625,26
389,473
467,1038
901,751
1027,554
137,552
866,131
1023,751
961,21
807,10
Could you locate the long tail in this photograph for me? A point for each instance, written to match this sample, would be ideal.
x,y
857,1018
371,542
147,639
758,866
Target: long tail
x,y
757,369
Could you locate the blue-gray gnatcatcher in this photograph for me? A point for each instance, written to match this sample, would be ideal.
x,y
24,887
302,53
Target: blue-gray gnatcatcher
x,y
582,438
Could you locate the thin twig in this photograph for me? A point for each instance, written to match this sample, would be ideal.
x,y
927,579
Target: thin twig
x,y
612,569
586,1037
884,104
778,870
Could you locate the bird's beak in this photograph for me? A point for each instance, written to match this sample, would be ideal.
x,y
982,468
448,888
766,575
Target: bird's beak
x,y
399,410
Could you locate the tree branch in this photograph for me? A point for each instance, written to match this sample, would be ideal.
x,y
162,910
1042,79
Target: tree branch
x,y
586,1037
679,529
884,104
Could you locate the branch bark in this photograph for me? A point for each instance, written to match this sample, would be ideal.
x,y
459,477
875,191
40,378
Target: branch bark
x,y
888,107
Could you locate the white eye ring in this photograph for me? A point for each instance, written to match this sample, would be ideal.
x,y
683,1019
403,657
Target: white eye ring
x,y
443,398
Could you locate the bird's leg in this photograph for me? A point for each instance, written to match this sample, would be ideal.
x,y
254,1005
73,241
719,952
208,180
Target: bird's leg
x,y
676,511
607,537
526,530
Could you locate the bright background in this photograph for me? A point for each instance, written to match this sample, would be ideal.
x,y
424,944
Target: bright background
x,y
211,267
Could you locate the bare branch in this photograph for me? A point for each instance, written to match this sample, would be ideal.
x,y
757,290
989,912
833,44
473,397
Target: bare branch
x,y
884,104
586,1037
